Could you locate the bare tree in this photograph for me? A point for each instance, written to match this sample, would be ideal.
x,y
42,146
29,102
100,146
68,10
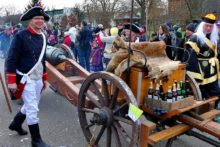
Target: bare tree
x,y
143,5
78,13
64,22
148,4
101,11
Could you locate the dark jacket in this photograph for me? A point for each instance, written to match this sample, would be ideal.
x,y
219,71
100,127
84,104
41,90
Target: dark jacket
x,y
202,61
218,47
24,53
84,38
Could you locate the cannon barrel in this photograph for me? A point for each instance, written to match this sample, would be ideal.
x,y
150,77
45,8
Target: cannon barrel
x,y
55,55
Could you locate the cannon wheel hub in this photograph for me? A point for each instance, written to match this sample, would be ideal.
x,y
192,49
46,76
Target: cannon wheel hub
x,y
105,117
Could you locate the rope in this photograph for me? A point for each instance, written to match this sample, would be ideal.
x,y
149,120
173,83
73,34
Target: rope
x,y
185,51
90,144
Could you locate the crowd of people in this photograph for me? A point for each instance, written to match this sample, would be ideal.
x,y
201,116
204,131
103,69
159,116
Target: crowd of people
x,y
92,47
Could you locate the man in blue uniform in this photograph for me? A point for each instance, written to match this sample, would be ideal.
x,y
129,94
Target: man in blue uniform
x,y
26,72
203,64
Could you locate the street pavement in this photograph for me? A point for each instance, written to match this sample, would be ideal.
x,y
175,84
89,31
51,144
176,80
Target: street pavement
x,y
59,124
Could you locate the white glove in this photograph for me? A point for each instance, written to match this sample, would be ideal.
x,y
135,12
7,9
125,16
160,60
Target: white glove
x,y
12,87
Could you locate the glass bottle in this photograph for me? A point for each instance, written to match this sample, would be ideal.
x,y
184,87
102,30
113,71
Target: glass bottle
x,y
182,87
150,91
179,93
157,92
169,95
162,96
174,93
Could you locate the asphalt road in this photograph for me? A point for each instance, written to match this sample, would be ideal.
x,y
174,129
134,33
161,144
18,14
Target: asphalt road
x,y
59,124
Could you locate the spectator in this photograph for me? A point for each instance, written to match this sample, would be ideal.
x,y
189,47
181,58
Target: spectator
x,y
190,29
154,37
109,40
5,42
72,31
51,38
143,35
165,36
84,39
66,39
96,56
179,41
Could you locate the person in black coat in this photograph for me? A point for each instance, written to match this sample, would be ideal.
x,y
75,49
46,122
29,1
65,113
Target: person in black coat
x,y
203,64
84,39
165,36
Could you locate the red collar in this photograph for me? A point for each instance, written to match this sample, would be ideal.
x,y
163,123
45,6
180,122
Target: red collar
x,y
30,29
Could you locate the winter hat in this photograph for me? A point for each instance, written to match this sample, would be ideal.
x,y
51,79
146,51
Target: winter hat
x,y
177,28
100,26
191,27
114,31
96,30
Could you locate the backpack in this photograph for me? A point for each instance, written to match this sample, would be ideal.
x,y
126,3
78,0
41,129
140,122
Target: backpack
x,y
173,38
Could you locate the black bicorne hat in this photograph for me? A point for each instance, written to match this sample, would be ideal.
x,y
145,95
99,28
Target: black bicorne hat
x,y
134,28
209,18
34,11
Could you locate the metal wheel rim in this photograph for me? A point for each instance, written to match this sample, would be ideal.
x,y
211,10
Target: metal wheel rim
x,y
195,87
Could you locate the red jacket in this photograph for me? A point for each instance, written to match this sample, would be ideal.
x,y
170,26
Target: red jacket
x,y
67,40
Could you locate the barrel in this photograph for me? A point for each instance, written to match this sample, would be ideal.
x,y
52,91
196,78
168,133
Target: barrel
x,y
55,55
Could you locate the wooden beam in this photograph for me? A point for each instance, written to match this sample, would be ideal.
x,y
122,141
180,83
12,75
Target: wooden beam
x,y
168,133
76,79
209,127
145,130
178,129
210,114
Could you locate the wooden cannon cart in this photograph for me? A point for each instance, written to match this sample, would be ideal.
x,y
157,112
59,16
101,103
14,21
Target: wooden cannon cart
x,y
103,100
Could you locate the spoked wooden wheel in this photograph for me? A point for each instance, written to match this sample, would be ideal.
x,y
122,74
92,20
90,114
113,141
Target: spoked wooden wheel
x,y
193,87
106,123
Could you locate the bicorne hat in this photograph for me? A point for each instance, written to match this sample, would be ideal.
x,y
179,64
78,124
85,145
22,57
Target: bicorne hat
x,y
34,11
134,28
209,18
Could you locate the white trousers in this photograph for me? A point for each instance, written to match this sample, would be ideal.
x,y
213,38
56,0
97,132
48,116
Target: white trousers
x,y
31,98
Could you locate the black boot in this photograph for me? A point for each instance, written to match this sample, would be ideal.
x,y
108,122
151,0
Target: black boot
x,y
35,136
16,124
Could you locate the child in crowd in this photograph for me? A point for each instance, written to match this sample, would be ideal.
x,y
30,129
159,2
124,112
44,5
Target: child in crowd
x,y
96,57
